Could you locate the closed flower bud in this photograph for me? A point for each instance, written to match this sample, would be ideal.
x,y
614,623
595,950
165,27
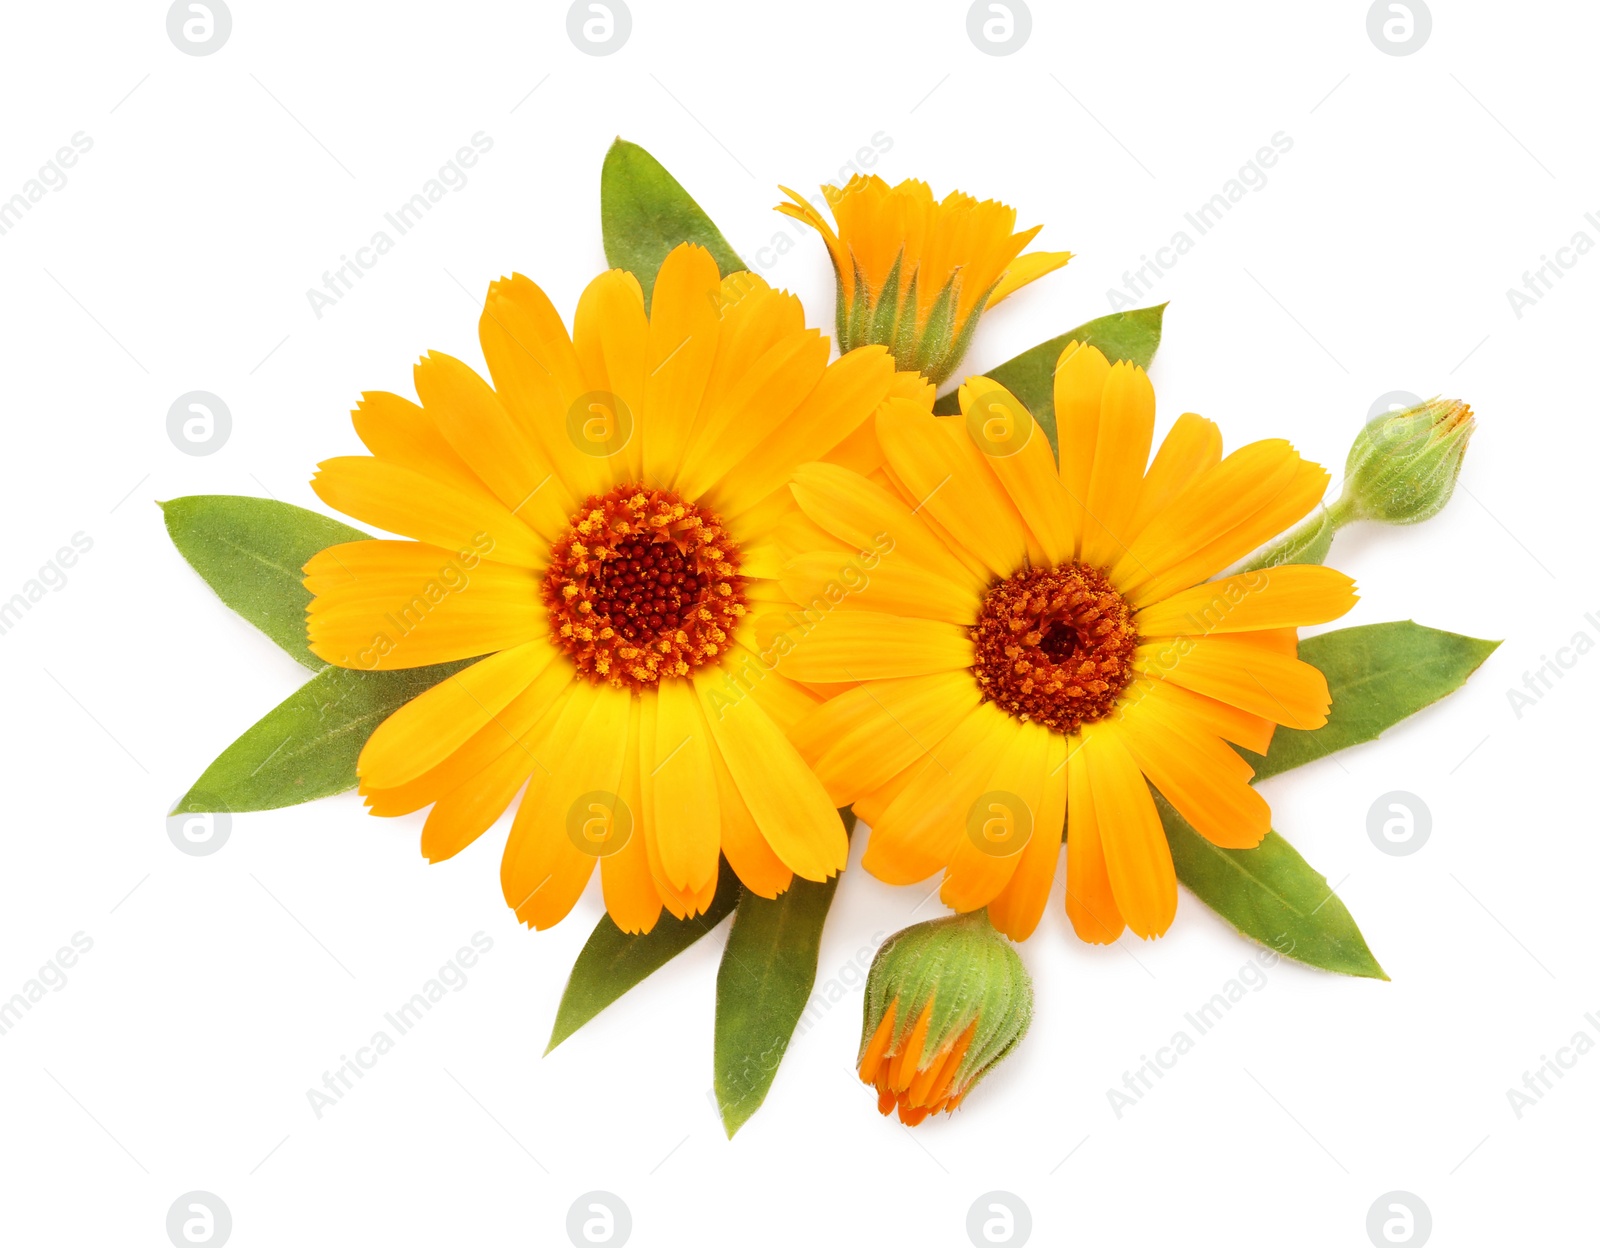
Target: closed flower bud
x,y
946,1000
1403,467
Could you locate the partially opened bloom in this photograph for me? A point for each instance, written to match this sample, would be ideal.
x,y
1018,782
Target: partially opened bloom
x,y
946,1000
916,273
598,524
1043,641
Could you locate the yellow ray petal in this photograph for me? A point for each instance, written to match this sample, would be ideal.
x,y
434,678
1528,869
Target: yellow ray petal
x,y
1017,908
682,343
396,629
537,376
848,645
1122,448
683,790
1138,862
1203,778
465,813
1194,712
863,738
399,431
629,889
1009,814
758,868
403,500
484,434
1091,904
1283,597
914,835
1251,677
1019,454
786,800
948,478
1192,446
842,402
1027,268
609,335
832,573
1080,380
431,727
868,517
520,727
544,870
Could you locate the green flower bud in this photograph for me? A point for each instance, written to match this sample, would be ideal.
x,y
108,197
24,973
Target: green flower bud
x,y
1402,467
946,1001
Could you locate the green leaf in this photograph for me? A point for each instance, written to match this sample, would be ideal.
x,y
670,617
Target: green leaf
x,y
763,985
613,961
1378,675
1271,895
645,213
306,747
1031,376
251,550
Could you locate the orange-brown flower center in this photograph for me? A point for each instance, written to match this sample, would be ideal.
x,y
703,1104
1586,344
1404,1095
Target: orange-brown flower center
x,y
643,585
1055,646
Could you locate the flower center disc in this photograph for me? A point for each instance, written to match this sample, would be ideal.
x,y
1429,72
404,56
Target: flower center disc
x,y
1055,646
643,585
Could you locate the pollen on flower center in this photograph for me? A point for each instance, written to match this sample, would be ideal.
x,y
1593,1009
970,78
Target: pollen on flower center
x,y
643,585
1055,646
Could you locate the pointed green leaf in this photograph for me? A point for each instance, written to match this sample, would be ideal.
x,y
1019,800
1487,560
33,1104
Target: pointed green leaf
x,y
1031,376
763,985
1378,674
306,747
250,551
613,961
1271,895
645,213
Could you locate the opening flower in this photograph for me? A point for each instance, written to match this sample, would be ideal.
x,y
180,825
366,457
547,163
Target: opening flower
x,y
946,1001
599,524
916,273
1042,641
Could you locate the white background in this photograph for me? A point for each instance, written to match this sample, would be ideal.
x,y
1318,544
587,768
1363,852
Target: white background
x,y
219,989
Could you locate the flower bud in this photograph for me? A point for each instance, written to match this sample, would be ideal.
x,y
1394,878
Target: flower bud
x,y
946,1000
915,274
1402,467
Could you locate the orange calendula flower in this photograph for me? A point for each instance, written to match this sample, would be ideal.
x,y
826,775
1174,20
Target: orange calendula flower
x,y
946,1001
595,528
916,273
1043,641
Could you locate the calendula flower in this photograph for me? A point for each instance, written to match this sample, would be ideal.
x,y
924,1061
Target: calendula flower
x,y
598,524
946,1001
1043,641
916,273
